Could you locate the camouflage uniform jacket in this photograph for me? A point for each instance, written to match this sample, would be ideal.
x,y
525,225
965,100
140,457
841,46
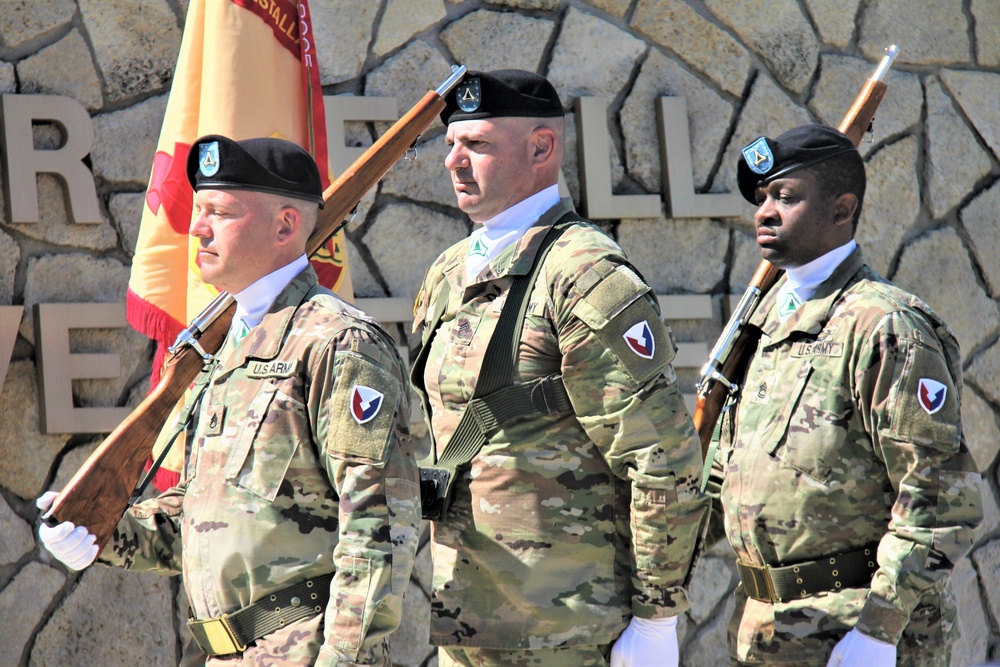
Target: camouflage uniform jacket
x,y
289,477
831,449
562,526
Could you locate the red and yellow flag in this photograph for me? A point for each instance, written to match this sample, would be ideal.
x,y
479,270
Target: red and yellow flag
x,y
246,68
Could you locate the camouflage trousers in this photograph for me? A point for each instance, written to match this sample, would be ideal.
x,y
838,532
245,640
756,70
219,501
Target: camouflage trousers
x,y
592,655
938,657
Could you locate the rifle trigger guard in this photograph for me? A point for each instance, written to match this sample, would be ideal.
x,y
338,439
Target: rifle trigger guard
x,y
411,152
869,136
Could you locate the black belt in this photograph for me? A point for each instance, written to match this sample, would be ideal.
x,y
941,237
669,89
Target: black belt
x,y
232,633
853,569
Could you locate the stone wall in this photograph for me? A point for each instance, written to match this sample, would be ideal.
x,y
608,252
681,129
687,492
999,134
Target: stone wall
x,y
744,68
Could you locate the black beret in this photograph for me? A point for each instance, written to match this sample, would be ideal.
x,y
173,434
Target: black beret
x,y
266,164
764,159
503,92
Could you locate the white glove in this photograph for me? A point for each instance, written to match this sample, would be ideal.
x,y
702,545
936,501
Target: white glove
x,y
73,545
647,642
857,648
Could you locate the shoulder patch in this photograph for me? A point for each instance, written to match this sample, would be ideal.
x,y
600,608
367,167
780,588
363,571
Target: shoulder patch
x,y
926,409
365,403
640,339
931,395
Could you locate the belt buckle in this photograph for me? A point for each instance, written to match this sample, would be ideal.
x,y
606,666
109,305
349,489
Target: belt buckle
x,y
757,573
215,636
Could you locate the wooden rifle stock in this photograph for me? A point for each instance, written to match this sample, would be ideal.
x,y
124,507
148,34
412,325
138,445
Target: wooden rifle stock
x,y
729,358
730,355
99,492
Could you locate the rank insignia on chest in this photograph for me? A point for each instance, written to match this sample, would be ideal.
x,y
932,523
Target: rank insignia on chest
x,y
758,394
640,339
931,395
365,403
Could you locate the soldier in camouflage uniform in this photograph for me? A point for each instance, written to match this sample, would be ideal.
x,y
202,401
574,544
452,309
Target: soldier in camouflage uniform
x,y
297,513
569,526
846,487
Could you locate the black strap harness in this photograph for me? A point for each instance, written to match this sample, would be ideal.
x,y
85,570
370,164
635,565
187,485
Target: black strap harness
x,y
495,400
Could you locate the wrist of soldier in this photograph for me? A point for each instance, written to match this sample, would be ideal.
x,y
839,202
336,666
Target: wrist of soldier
x,y
655,623
881,621
659,602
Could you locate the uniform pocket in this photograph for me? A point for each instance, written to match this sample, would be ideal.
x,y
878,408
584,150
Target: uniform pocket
x,y
352,610
801,434
266,442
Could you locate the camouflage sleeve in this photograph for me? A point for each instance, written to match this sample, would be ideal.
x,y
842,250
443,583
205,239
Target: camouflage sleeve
x,y
361,406
148,537
910,402
617,356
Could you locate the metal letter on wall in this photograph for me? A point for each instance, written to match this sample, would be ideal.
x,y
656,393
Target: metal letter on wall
x,y
10,318
342,108
58,367
675,161
22,162
595,169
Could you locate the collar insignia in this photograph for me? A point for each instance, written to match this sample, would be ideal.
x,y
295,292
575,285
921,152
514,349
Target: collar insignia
x,y
790,302
478,248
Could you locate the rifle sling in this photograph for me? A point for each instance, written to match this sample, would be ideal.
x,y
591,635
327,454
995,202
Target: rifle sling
x,y
183,419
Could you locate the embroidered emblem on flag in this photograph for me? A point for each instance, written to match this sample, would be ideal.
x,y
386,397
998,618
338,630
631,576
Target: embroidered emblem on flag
x,y
640,340
931,395
365,403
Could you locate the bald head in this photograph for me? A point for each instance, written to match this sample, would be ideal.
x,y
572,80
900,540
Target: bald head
x,y
498,162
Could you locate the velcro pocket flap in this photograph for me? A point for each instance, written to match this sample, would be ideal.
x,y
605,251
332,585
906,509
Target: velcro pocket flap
x,y
608,290
615,307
